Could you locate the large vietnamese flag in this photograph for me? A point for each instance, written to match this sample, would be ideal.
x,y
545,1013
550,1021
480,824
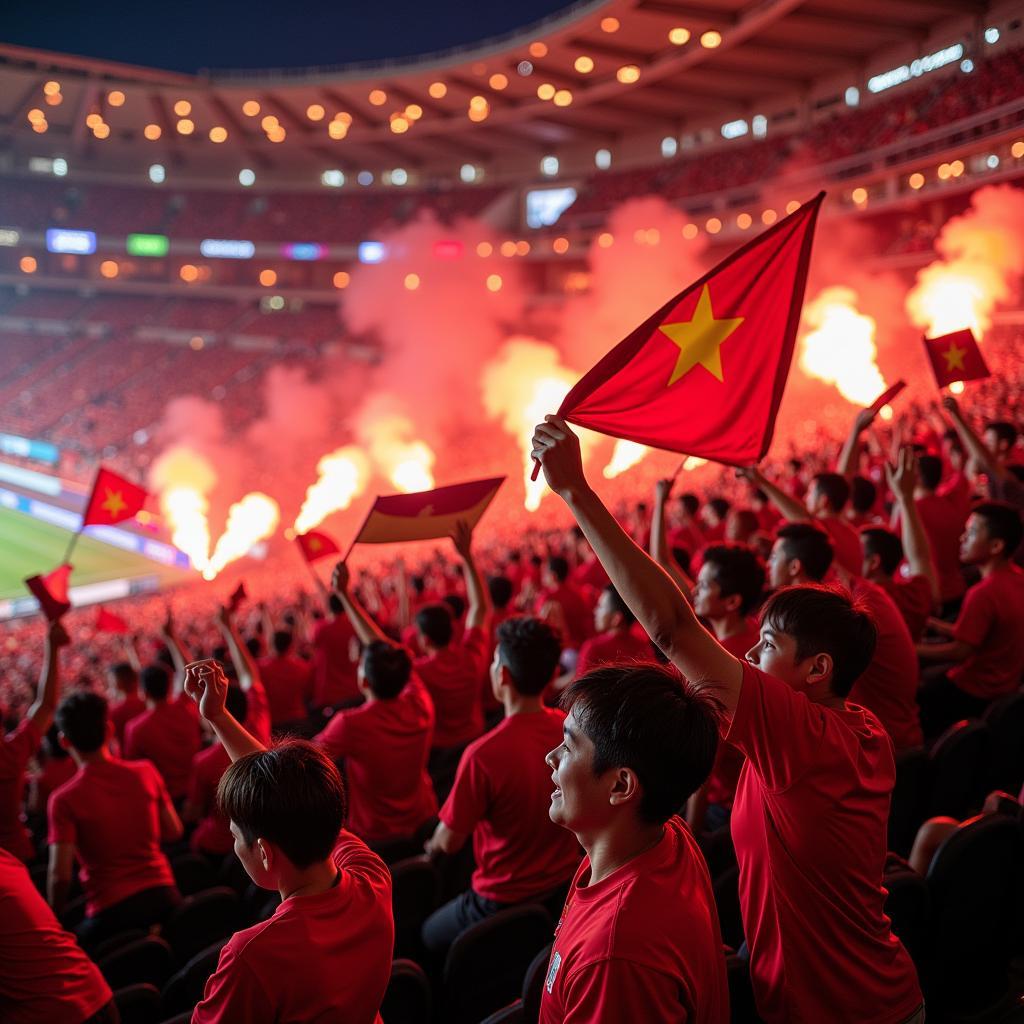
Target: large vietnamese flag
x,y
427,514
113,499
705,374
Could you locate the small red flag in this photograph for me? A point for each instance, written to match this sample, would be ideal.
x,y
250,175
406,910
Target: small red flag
x,y
315,544
108,622
955,357
705,374
427,514
51,591
887,396
238,595
113,499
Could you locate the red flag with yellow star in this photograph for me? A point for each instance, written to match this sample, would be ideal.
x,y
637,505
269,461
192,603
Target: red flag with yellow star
x,y
113,500
315,544
955,357
705,374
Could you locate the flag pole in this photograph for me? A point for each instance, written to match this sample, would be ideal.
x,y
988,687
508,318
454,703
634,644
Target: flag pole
x,y
679,468
71,546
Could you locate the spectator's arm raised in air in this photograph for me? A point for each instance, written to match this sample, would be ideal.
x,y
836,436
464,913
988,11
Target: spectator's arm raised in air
x,y
916,545
366,629
976,449
479,614
40,714
207,685
847,464
241,657
179,656
660,551
792,509
648,590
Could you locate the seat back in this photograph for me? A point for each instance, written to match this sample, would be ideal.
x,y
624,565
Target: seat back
x,y
486,964
511,1014
533,985
1005,721
138,1004
192,873
906,906
415,894
906,806
408,998
145,961
200,921
958,770
186,988
973,883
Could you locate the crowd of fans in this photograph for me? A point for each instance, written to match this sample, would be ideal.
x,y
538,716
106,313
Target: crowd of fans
x,y
687,771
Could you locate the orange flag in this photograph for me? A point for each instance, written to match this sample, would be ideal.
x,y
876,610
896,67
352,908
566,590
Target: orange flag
x,y
427,514
315,544
51,591
705,374
955,357
113,499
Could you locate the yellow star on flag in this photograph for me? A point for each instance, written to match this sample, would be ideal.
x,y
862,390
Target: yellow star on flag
x,y
954,357
314,544
113,502
699,339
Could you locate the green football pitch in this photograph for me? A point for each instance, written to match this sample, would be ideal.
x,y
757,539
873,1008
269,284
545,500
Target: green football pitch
x,y
29,546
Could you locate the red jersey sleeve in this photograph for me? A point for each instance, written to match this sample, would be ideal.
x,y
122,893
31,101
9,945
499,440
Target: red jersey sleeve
x,y
779,730
621,990
335,737
975,618
61,826
469,799
234,993
354,857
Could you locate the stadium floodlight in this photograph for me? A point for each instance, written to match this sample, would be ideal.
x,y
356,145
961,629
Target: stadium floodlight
x,y
916,68
332,178
545,205
81,243
549,166
246,177
759,125
60,167
147,245
304,251
227,249
991,35
157,174
735,129
603,159
365,178
669,147
852,96
991,161
370,252
467,172
399,176
967,65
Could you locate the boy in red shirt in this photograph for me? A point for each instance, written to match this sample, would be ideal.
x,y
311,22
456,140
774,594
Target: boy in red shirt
x,y
334,671
985,641
288,680
112,816
811,811
638,939
562,602
325,954
501,791
615,640
125,702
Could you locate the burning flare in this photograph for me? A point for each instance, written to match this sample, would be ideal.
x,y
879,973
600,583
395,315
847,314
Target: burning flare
x,y
250,520
183,478
342,476
625,456
408,463
840,347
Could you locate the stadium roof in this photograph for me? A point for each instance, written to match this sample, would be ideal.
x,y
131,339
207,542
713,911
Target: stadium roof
x,y
592,75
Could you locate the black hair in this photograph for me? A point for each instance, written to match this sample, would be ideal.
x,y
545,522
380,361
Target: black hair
x,y
1002,522
387,668
457,605
737,571
929,470
434,621
690,502
810,545
863,494
500,589
82,717
155,681
647,719
835,488
1005,431
334,604
529,649
281,641
620,606
291,795
559,568
720,507
126,679
746,520
877,540
825,620
254,646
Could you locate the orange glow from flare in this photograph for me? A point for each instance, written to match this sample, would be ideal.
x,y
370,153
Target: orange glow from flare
x,y
250,520
625,455
183,479
342,477
406,461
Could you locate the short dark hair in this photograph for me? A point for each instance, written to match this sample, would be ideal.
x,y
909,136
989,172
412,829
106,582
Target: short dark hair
x,y
456,603
387,668
877,540
863,494
559,568
745,519
647,719
690,502
434,621
281,641
929,471
737,570
334,604
1002,521
618,605
156,682
291,794
1004,431
835,488
82,717
529,649
825,620
125,676
720,506
810,545
500,589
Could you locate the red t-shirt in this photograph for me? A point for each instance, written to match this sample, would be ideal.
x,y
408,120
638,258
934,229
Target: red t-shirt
x,y
912,595
990,620
612,648
809,824
386,744
579,617
110,813
16,748
334,672
44,975
642,944
288,682
845,542
321,959
452,676
888,686
688,536
123,712
169,736
501,795
589,575
943,517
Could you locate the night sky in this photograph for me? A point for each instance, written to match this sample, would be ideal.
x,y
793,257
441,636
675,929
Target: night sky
x,y
260,33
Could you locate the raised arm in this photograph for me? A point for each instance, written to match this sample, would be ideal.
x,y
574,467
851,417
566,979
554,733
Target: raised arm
x,y
40,714
479,614
241,657
916,545
366,629
975,446
847,464
659,549
179,656
207,685
648,590
792,509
